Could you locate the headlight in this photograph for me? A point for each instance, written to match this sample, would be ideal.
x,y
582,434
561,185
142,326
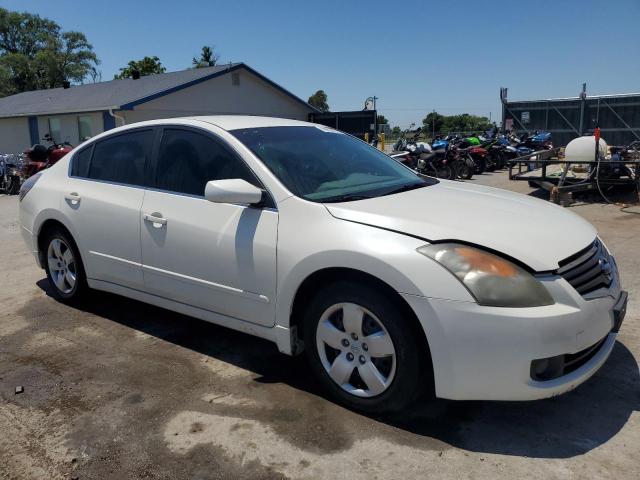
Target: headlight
x,y
492,280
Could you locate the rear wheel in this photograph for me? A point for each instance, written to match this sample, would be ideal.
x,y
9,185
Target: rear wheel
x,y
361,348
64,266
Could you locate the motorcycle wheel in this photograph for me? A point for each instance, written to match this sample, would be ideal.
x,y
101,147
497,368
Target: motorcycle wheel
x,y
469,169
463,170
480,165
14,186
445,172
490,164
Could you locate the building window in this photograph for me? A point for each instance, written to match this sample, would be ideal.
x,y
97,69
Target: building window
x,y
84,128
235,79
55,129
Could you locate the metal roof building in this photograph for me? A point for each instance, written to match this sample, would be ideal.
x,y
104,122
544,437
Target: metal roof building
x,y
80,111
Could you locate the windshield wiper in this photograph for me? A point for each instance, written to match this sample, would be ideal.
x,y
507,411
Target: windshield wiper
x,y
345,198
405,188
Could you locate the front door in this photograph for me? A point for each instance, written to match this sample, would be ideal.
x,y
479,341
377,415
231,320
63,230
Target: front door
x,y
219,257
103,200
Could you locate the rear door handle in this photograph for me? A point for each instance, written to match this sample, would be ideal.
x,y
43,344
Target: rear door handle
x,y
73,197
156,218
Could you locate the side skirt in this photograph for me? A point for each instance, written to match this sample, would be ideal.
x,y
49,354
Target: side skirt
x,y
281,336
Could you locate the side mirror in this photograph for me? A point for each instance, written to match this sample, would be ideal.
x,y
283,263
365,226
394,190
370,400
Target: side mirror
x,y
234,190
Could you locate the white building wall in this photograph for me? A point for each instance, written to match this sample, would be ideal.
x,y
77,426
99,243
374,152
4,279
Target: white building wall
x,y
219,96
14,135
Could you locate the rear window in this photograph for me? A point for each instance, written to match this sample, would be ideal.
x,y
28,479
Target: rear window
x,y
122,158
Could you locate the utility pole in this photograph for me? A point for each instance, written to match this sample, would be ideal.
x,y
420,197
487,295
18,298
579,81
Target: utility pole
x,y
375,120
433,125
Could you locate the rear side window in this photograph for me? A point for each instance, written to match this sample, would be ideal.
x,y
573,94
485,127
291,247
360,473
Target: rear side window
x,y
122,158
80,163
187,160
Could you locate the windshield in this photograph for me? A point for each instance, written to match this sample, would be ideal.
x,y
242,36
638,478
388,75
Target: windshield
x,y
324,165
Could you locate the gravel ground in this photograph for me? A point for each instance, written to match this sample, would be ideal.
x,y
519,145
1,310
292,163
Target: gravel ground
x,y
118,389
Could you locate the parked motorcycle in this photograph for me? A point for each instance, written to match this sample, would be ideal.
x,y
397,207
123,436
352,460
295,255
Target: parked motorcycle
x,y
420,156
9,174
40,156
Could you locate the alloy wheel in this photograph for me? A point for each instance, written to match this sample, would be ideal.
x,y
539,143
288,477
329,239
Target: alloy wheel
x,y
356,350
62,265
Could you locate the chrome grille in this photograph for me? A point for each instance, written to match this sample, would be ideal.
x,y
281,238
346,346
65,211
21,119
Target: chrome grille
x,y
589,269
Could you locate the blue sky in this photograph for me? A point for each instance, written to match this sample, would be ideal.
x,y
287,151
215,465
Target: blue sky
x,y
416,56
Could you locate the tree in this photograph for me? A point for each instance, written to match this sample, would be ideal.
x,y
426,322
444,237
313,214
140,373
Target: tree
x,y
319,100
395,131
207,58
433,122
455,123
382,120
35,54
68,57
146,66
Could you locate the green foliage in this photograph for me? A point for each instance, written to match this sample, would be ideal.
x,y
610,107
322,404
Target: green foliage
x,y
35,54
382,120
395,131
146,66
319,100
208,58
455,123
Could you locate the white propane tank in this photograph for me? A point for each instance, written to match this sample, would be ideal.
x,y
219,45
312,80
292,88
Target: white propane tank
x,y
584,149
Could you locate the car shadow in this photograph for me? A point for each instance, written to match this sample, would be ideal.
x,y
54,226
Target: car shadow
x,y
560,427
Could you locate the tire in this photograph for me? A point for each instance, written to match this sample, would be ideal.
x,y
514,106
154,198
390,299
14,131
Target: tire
x,y
14,186
388,382
490,164
470,168
480,165
445,172
64,267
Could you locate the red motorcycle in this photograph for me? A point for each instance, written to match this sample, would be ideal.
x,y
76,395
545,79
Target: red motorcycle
x,y
40,156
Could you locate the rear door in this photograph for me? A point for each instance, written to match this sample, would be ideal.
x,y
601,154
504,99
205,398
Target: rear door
x,y
105,192
219,257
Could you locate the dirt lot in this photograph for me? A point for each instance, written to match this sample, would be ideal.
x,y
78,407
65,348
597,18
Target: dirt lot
x,y
125,390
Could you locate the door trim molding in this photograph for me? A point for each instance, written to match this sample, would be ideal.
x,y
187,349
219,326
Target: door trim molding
x,y
199,281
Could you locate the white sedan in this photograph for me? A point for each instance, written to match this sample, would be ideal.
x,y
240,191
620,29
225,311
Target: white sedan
x,y
392,283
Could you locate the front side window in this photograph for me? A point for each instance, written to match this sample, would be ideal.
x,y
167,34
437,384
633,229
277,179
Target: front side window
x,y
122,158
187,160
324,165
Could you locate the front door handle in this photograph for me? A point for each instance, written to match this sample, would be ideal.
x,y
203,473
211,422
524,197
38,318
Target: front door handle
x,y
73,197
156,218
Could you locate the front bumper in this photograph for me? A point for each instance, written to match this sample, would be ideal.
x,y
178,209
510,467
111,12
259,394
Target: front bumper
x,y
486,353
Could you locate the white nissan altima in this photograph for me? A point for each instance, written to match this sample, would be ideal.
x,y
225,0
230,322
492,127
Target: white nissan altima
x,y
393,284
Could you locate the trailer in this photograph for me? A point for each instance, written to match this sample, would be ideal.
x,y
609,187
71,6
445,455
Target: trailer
x,y
561,177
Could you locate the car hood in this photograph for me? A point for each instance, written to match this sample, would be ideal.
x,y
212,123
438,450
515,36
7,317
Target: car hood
x,y
535,232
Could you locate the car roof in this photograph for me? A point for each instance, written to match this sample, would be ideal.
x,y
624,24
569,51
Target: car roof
x,y
225,122
234,122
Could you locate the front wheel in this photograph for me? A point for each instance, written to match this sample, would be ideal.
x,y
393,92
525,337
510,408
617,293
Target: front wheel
x,y
361,348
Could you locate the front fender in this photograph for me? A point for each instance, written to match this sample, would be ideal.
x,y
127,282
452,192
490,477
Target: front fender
x,y
328,242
